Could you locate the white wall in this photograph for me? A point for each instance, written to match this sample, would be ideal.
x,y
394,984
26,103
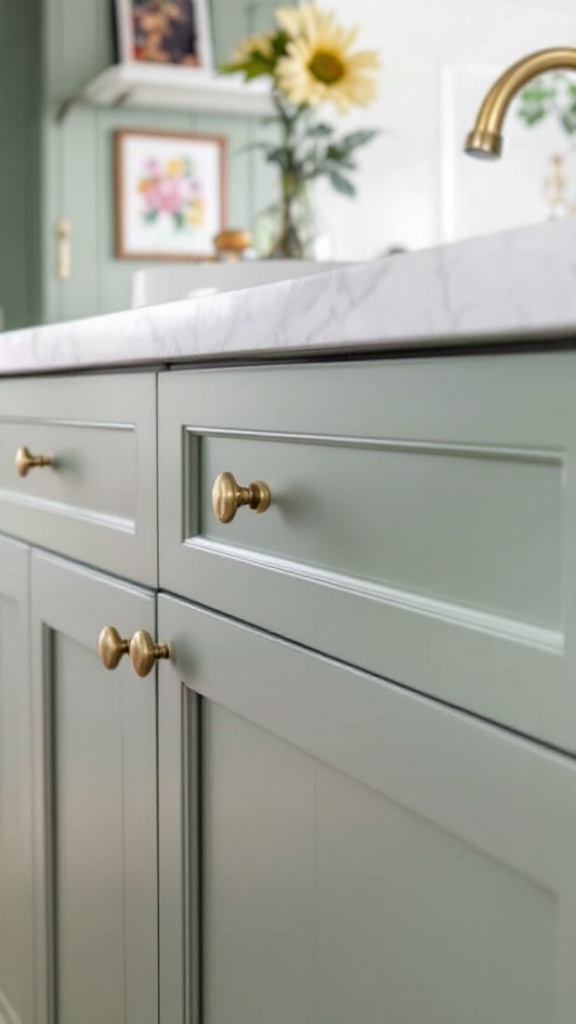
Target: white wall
x,y
415,188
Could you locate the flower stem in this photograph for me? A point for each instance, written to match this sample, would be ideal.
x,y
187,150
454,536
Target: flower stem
x,y
289,244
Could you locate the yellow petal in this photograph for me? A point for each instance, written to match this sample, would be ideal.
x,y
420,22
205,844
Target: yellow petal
x,y
365,59
289,19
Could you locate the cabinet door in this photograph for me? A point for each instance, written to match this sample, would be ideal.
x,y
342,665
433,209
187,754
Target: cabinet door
x,y
95,763
357,852
16,865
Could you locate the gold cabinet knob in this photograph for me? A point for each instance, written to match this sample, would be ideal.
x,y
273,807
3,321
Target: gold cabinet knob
x,y
228,496
144,653
111,647
24,460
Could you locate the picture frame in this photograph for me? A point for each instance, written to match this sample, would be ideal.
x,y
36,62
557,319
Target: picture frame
x,y
168,32
170,194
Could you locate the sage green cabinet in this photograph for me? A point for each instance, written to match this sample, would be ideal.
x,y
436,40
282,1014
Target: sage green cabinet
x,y
420,524
292,825
95,813
17,1004
358,852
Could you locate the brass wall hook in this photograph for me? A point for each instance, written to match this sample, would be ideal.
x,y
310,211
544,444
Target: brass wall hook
x,y
64,235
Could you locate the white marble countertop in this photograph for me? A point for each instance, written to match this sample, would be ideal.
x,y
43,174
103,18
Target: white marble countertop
x,y
501,288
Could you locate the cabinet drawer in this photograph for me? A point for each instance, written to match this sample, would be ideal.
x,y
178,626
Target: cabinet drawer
x,y
422,522
97,500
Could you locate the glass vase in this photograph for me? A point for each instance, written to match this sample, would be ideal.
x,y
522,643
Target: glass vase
x,y
290,228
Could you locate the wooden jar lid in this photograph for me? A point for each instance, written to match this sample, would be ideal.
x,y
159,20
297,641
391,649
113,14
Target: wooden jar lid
x,y
232,242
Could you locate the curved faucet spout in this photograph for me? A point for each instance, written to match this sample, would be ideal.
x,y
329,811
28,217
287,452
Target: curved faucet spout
x,y
485,139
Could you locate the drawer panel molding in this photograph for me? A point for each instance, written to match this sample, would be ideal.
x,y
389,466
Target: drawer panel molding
x,y
421,522
96,501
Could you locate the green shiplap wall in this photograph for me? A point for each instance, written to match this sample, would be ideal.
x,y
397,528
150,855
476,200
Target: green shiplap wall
x,y
19,162
75,171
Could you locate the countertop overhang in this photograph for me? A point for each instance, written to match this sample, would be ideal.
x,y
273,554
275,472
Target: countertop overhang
x,y
511,288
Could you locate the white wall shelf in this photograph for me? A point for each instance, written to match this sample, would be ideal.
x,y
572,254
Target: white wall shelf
x,y
138,84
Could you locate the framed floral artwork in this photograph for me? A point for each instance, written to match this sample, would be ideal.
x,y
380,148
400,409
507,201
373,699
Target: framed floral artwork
x,y
170,194
164,32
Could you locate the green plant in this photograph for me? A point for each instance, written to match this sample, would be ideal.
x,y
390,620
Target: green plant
x,y
550,95
310,61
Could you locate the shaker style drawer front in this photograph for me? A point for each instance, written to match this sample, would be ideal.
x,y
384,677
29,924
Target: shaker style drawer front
x,y
420,516
78,468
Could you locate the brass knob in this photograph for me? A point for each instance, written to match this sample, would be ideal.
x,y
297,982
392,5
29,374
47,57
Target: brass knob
x,y
228,496
111,647
144,652
24,460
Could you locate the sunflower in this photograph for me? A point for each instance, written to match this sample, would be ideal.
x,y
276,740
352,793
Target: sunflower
x,y
261,45
319,64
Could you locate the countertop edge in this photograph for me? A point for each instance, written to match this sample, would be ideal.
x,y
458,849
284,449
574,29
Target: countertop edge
x,y
517,288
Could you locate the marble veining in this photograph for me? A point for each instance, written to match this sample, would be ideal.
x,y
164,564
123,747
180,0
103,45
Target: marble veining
x,y
497,288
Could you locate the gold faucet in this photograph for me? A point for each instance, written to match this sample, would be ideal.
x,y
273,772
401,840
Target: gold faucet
x,y
485,139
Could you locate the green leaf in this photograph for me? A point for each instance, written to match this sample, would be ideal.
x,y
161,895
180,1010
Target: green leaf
x,y
258,66
341,184
532,116
279,44
341,162
552,94
568,120
319,131
253,68
537,94
230,67
356,139
281,156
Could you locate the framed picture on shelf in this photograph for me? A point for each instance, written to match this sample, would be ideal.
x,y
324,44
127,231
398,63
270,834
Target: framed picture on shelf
x,y
170,194
164,32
